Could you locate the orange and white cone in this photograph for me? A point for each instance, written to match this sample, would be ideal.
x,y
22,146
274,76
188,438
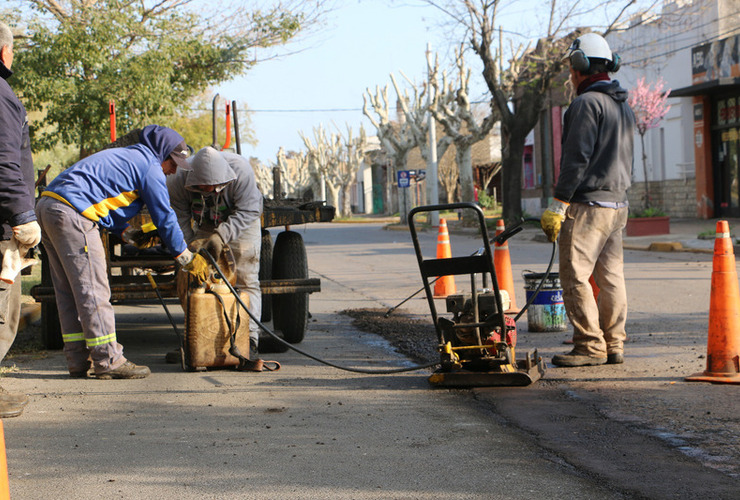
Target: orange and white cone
x,y
445,285
723,341
502,266
4,483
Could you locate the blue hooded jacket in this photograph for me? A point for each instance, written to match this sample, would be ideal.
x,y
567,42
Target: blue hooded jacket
x,y
111,186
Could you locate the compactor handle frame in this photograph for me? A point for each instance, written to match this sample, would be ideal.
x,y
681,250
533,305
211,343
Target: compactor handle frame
x,y
480,262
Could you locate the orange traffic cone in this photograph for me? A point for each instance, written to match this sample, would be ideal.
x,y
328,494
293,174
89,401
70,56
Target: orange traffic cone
x,y
445,285
502,265
4,484
723,343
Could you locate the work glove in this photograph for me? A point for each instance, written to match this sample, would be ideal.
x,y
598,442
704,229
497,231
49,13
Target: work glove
x,y
214,245
139,238
28,234
195,264
195,245
553,218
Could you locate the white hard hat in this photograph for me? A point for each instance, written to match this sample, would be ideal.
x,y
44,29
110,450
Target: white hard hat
x,y
592,46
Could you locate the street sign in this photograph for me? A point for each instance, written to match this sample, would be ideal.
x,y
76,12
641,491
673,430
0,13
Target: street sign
x,y
404,179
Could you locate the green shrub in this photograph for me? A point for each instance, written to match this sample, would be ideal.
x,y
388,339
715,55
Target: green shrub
x,y
485,200
647,212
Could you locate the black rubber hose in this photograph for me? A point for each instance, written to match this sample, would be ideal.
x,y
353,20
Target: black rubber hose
x,y
299,351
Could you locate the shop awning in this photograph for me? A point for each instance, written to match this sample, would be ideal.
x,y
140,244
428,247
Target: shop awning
x,y
708,88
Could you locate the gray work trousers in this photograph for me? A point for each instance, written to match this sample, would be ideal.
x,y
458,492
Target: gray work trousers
x,y
246,250
10,313
591,244
78,271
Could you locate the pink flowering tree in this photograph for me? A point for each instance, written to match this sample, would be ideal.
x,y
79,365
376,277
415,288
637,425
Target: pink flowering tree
x,y
649,105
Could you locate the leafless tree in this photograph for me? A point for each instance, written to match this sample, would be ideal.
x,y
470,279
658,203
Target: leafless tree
x,y
416,112
324,159
294,172
519,90
396,137
263,174
451,108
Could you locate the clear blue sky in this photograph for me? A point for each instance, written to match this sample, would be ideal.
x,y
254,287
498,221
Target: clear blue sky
x,y
364,42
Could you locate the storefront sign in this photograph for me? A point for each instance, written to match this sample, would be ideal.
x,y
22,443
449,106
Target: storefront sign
x,y
715,60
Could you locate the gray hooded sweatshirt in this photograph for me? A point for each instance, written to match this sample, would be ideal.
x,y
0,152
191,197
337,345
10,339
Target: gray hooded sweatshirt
x,y
236,202
598,137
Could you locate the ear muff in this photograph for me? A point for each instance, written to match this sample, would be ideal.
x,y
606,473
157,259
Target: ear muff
x,y
579,61
615,63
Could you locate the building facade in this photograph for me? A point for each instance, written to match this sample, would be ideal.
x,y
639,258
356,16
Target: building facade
x,y
692,158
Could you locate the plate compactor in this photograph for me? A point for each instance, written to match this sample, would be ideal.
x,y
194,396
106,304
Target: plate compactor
x,y
477,344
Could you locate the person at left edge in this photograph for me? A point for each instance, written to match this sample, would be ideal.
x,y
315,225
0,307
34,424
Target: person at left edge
x,y
106,190
18,224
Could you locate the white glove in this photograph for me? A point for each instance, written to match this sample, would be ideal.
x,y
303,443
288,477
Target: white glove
x,y
28,234
184,258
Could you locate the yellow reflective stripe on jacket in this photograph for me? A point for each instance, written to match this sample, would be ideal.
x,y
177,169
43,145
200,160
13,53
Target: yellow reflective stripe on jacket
x,y
104,207
73,337
56,197
101,340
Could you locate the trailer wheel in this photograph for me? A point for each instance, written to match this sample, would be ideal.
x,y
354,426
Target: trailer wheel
x,y
266,274
51,330
289,261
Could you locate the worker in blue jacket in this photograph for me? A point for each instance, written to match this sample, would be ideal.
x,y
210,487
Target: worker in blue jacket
x,y
105,190
18,224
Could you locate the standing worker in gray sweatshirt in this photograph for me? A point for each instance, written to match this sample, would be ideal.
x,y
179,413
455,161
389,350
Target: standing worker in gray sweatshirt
x,y
591,205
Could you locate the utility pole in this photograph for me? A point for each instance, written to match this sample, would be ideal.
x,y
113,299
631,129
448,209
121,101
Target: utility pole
x,y
432,177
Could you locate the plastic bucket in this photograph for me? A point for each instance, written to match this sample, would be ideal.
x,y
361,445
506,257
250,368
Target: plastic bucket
x,y
547,311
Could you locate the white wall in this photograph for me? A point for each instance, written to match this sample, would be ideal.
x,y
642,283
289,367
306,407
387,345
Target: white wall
x,y
662,49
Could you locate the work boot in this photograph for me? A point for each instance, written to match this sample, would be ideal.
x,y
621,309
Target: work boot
x,y
254,353
14,398
575,359
126,370
80,373
616,358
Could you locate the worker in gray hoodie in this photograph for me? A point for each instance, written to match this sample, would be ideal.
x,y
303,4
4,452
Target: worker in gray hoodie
x,y
219,203
590,202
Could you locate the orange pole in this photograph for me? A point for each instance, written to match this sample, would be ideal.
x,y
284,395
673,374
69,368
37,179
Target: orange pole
x,y
112,112
228,126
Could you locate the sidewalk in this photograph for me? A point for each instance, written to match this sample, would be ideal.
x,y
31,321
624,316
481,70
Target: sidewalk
x,y
684,236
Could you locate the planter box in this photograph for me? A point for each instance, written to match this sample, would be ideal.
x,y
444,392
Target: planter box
x,y
647,226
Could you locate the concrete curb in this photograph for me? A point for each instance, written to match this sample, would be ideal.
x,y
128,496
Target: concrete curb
x,y
666,246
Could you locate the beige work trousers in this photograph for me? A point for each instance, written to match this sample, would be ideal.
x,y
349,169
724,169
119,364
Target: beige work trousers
x,y
591,244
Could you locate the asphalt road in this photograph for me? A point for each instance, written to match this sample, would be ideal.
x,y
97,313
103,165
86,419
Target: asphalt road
x,y
310,431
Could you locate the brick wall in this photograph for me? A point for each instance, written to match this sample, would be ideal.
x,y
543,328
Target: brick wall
x,y
676,197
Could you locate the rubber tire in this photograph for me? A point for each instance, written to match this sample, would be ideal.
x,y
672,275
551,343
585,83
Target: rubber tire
x,y
290,311
265,273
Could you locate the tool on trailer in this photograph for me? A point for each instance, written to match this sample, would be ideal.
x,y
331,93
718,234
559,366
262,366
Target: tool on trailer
x,y
477,346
